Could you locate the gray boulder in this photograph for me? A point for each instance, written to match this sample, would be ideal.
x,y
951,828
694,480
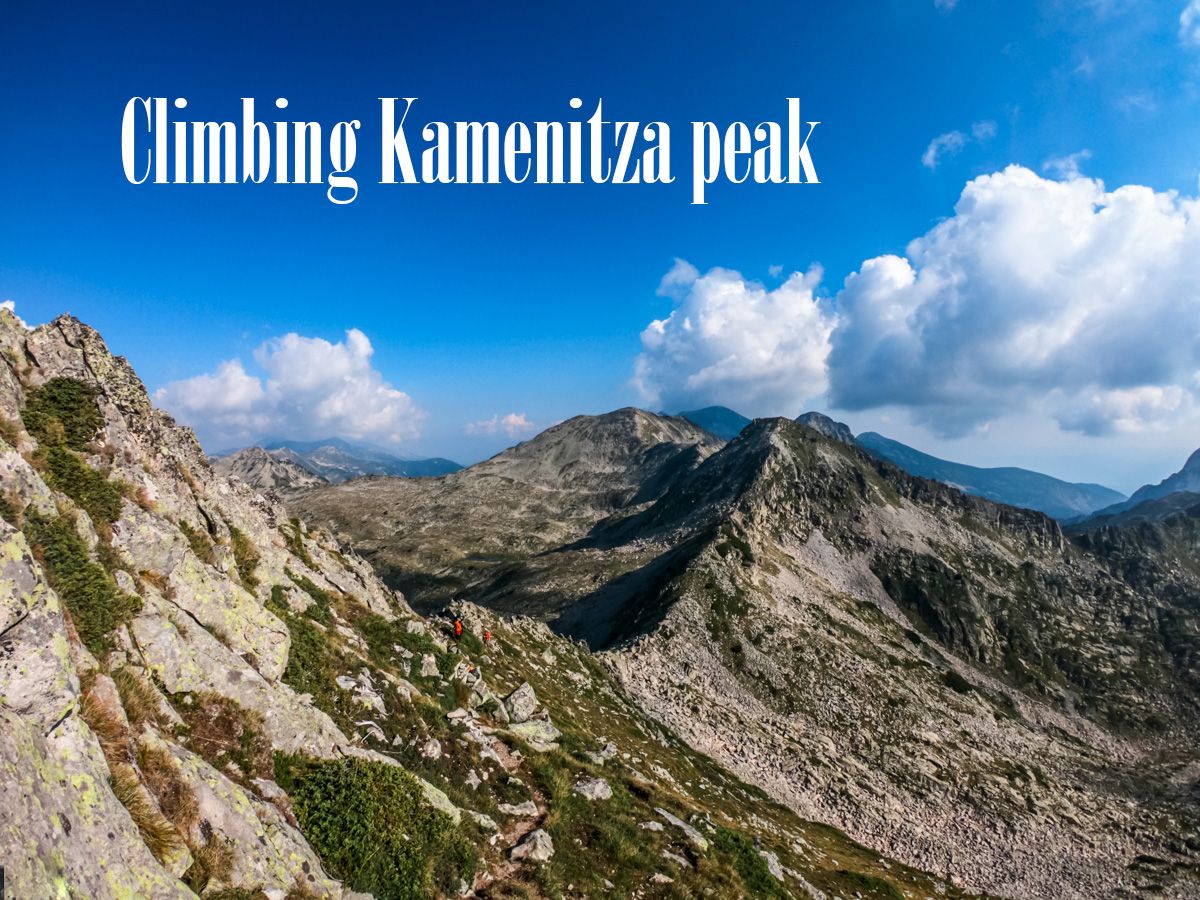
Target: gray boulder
x,y
537,847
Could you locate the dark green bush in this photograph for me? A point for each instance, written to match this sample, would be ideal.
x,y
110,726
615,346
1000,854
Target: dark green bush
x,y
91,491
96,605
68,402
373,829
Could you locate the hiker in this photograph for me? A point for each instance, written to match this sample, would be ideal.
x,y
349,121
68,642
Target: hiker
x,y
487,637
458,629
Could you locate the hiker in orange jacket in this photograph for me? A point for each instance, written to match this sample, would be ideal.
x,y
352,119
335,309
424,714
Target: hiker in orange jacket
x,y
457,629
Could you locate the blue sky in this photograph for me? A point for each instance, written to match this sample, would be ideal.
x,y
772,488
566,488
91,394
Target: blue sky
x,y
481,302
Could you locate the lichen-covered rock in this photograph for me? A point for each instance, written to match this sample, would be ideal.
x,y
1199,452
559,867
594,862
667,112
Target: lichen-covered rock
x,y
211,597
36,677
62,831
185,658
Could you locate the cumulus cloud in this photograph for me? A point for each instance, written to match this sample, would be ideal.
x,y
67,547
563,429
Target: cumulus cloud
x,y
1061,298
512,425
309,388
952,142
735,342
1189,24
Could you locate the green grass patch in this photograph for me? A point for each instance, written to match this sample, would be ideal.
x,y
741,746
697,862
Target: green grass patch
x,y
245,556
372,828
200,543
322,606
751,867
293,533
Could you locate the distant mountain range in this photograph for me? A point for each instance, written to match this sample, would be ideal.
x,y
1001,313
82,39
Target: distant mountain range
x,y
722,421
287,466
1007,484
1017,487
1186,480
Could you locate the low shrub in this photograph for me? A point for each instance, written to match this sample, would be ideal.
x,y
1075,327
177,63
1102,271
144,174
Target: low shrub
x,y
96,605
63,410
92,492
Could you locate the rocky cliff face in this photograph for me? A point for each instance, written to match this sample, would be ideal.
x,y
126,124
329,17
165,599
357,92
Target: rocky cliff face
x,y
952,681
200,694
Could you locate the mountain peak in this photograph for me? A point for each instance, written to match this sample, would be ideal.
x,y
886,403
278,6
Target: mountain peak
x,y
831,428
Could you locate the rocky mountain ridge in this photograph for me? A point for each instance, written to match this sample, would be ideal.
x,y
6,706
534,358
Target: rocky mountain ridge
x,y
267,471
200,694
1026,727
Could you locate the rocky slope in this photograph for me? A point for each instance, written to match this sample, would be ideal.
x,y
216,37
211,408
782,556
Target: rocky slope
x,y
202,695
434,538
265,471
953,682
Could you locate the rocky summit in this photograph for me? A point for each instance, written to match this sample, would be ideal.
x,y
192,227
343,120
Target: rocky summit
x,y
203,693
955,683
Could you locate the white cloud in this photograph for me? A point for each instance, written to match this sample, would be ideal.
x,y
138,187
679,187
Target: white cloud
x,y
734,342
1189,24
312,389
1066,167
1057,293
945,5
1041,297
512,425
953,142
